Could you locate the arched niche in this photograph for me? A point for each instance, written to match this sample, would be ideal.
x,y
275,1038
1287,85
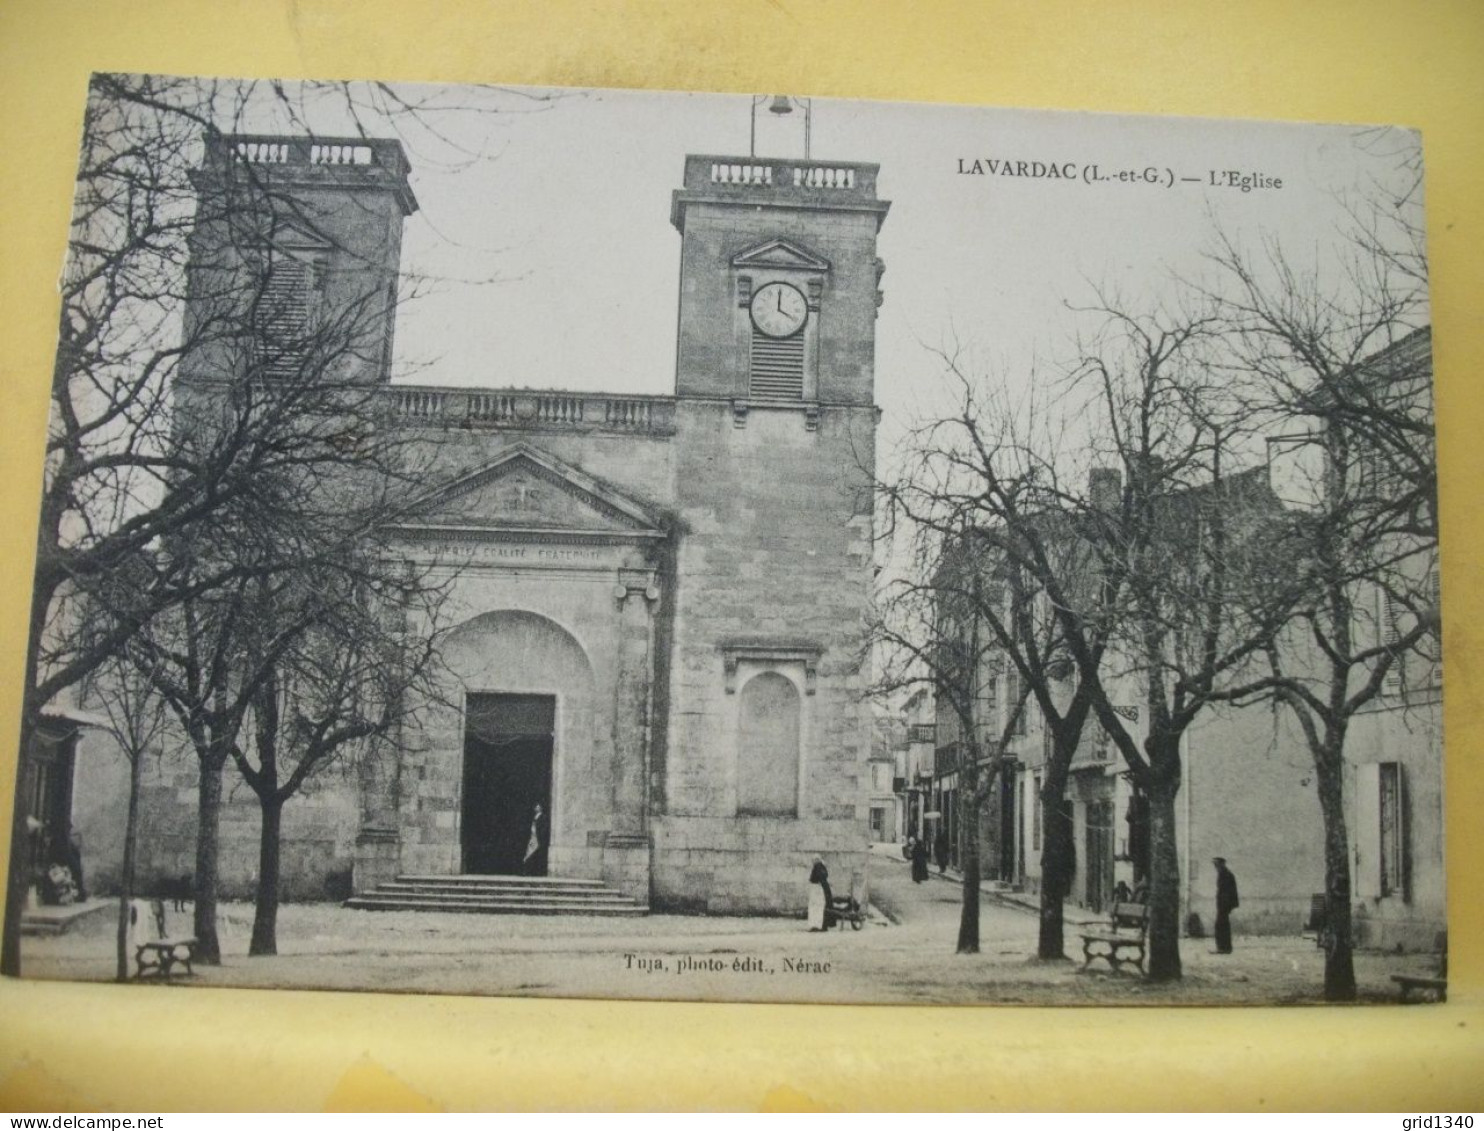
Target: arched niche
x,y
769,719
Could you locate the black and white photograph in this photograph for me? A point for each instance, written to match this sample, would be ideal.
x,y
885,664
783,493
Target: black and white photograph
x,y
609,544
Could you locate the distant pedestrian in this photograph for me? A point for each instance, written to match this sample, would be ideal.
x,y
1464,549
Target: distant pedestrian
x,y
940,849
1226,903
72,857
919,861
819,895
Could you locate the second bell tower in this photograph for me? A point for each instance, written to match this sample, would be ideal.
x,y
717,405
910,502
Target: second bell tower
x,y
778,281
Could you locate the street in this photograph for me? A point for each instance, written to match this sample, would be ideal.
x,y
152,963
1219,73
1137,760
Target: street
x,y
903,954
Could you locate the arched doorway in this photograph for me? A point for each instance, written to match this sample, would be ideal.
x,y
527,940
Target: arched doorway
x,y
527,731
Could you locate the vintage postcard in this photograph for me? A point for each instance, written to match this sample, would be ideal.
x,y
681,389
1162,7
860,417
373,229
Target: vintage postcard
x,y
749,548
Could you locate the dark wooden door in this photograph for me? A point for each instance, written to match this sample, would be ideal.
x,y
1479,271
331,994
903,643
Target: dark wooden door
x,y
1008,840
1099,854
508,745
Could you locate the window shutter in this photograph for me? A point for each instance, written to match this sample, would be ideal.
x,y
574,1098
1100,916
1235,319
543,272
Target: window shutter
x,y
1394,862
1368,831
1388,615
777,367
283,313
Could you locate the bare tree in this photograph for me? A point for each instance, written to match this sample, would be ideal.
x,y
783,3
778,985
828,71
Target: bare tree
x,y
1189,549
1340,360
136,717
1006,560
927,633
182,382
354,682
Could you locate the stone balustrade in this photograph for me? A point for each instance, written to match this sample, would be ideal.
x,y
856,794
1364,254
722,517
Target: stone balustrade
x,y
726,173
824,176
444,407
784,176
289,150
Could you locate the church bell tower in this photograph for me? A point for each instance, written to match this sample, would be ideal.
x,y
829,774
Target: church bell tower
x,y
778,282
761,766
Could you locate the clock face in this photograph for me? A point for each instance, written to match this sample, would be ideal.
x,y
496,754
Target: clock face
x,y
778,310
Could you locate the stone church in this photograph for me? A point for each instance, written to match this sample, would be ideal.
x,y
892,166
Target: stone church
x,y
659,600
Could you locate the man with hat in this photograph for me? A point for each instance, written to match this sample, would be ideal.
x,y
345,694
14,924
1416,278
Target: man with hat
x,y
1226,903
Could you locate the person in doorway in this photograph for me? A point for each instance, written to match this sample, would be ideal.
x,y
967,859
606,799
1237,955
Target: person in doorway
x,y
940,849
533,844
919,861
72,857
819,896
1226,903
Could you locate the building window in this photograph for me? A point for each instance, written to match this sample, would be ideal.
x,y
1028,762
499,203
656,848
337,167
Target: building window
x,y
1388,614
1036,813
1391,828
768,746
1102,744
283,317
878,824
1381,851
1013,706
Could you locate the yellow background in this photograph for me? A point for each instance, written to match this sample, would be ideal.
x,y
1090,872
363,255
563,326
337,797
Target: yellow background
x,y
1420,64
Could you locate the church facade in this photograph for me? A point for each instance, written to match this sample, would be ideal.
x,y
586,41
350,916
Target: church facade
x,y
659,601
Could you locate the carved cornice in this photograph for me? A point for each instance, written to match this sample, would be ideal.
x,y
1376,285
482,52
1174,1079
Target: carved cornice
x,y
802,652
440,532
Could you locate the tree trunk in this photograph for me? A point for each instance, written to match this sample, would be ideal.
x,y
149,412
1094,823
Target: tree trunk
x,y
1339,958
18,878
208,825
1056,871
1164,883
265,912
126,880
968,923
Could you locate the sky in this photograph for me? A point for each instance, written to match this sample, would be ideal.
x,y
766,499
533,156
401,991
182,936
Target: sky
x,y
544,257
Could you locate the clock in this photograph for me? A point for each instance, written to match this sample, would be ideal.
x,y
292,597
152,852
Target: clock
x,y
778,310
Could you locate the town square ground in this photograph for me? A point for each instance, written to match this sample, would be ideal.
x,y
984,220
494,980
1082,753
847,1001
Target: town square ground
x,y
904,954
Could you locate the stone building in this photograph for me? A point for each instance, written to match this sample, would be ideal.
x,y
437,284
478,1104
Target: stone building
x,y
1248,791
659,600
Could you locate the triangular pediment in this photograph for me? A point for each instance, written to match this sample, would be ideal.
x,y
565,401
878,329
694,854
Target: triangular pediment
x,y
290,236
526,491
780,253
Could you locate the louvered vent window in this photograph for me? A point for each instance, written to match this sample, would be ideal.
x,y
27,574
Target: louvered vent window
x,y
283,314
777,367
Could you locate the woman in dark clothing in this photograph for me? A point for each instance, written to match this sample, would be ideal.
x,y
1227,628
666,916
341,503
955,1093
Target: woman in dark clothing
x,y
919,861
820,897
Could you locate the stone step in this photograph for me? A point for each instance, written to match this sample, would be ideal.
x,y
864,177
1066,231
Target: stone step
x,y
374,902
499,890
48,921
467,878
498,895
575,899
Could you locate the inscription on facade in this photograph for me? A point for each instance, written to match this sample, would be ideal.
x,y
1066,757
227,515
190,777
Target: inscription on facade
x,y
497,553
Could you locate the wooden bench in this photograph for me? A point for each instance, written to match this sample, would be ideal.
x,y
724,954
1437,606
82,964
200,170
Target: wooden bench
x,y
1128,926
159,958
156,953
1425,986
1318,921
